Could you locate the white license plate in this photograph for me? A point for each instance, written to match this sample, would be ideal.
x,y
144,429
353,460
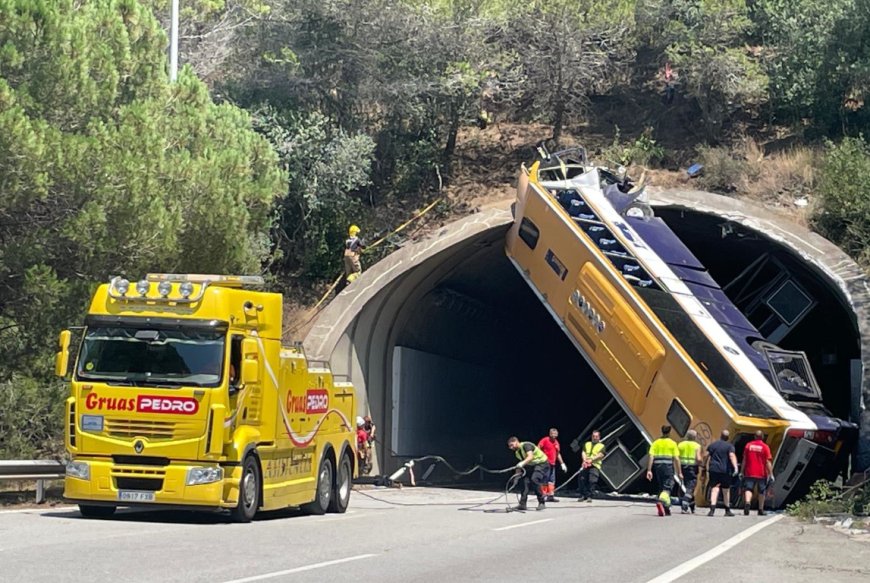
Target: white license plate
x,y
129,496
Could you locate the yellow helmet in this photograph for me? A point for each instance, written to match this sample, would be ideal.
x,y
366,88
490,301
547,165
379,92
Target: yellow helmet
x,y
353,231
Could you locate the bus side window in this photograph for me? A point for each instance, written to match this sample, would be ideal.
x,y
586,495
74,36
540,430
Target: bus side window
x,y
235,362
529,233
679,418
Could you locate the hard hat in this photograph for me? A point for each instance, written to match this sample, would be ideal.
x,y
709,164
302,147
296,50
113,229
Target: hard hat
x,y
360,422
353,230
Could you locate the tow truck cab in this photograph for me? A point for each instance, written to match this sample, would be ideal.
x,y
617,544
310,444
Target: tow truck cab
x,y
181,395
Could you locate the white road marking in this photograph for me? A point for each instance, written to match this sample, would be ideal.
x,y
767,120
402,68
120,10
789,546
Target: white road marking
x,y
300,569
522,524
348,516
696,562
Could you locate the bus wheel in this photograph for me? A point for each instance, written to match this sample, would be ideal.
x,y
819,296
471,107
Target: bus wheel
x,y
96,511
249,491
323,494
341,495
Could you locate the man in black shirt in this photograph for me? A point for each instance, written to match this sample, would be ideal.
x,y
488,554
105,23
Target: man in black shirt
x,y
721,468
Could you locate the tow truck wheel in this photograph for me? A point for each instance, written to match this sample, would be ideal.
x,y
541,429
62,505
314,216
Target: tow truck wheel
x,y
341,495
323,494
96,511
249,491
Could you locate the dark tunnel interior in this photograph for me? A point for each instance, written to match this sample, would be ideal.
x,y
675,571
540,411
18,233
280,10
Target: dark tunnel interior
x,y
475,357
514,370
827,333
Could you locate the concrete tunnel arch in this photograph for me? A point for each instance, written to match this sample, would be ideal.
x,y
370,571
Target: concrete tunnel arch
x,y
450,317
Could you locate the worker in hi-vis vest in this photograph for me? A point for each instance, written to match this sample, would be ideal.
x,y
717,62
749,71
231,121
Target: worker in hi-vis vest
x,y
690,461
592,454
533,461
664,463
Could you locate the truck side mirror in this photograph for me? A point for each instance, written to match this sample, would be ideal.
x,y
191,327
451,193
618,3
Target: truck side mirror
x,y
250,362
61,361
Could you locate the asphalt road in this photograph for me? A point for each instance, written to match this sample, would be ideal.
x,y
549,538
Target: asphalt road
x,y
426,535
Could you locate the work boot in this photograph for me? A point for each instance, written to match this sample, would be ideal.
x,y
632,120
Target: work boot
x,y
728,512
711,512
541,506
520,507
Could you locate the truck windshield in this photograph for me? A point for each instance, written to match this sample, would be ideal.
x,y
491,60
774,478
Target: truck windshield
x,y
145,357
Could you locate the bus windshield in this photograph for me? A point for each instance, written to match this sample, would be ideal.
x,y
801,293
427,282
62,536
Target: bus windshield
x,y
148,357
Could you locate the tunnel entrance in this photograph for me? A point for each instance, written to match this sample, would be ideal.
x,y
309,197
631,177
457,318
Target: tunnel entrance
x,y
478,359
451,352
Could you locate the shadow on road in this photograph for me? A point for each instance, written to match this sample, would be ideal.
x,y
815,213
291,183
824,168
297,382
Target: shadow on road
x,y
146,516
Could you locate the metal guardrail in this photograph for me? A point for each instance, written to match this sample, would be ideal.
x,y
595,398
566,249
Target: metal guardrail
x,y
33,470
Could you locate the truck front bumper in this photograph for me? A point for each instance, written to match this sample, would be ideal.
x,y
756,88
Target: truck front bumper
x,y
153,486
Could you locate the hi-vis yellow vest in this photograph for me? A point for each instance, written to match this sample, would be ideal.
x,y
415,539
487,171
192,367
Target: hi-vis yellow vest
x,y
688,449
539,457
593,449
664,450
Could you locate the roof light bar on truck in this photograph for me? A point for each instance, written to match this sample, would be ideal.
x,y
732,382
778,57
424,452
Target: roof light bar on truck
x,y
178,288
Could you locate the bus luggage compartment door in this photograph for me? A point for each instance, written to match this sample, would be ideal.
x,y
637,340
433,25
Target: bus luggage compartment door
x,y
631,354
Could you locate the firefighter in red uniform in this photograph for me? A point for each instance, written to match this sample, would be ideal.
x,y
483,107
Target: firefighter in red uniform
x,y
550,446
362,445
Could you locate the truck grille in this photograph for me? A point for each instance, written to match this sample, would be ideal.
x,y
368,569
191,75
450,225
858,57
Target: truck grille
x,y
146,484
153,430
145,478
140,460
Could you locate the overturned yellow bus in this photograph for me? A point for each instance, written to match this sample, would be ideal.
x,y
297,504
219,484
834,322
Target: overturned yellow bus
x,y
659,331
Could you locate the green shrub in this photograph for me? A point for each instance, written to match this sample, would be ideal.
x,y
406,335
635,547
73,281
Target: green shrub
x,y
824,500
844,192
31,418
642,152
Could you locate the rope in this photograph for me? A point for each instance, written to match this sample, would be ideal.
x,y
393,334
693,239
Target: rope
x,y
403,225
372,246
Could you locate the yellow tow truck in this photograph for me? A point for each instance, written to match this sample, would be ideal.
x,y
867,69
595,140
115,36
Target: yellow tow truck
x,y
183,396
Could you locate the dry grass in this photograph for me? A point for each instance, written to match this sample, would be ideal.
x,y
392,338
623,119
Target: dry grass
x,y
780,177
784,180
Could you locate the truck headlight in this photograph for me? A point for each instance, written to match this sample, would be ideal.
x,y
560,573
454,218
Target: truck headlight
x,y
142,287
80,470
204,475
122,285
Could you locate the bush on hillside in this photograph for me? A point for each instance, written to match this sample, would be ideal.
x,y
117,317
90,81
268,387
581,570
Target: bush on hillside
x,y
31,418
844,190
